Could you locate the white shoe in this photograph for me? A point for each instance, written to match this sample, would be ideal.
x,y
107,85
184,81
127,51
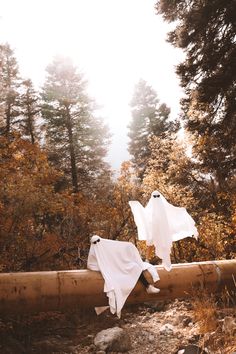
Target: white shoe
x,y
152,290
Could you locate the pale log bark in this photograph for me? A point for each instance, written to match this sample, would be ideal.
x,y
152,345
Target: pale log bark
x,y
61,290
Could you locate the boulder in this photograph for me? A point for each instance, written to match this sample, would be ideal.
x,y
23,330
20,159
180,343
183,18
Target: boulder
x,y
113,339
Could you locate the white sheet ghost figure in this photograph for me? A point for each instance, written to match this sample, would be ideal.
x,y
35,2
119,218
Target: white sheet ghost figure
x,y
121,265
160,223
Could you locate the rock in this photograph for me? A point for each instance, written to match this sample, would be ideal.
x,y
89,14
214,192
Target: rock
x,y
167,329
133,325
156,306
191,349
144,334
92,348
171,314
188,306
186,321
146,317
127,320
229,325
151,338
181,320
113,339
194,338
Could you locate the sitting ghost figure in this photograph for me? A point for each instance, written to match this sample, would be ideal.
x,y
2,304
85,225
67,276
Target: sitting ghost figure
x,y
161,223
121,266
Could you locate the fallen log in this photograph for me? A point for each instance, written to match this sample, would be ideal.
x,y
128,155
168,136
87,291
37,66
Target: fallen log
x,y
34,292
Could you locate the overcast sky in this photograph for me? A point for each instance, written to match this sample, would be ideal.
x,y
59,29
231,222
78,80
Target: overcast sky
x,y
113,42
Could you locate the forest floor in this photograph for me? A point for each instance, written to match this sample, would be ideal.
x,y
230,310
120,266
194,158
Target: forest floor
x,y
153,328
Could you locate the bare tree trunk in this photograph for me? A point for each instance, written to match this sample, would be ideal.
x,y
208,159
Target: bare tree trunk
x,y
8,119
48,291
74,175
30,124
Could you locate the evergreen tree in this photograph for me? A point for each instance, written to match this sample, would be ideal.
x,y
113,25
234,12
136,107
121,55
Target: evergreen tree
x,y
10,82
75,138
149,118
206,31
29,110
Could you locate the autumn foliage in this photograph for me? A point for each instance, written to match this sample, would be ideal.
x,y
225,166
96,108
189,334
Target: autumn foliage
x,y
42,227
39,226
56,189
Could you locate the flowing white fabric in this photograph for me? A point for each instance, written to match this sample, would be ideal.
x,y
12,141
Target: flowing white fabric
x,y
160,223
121,265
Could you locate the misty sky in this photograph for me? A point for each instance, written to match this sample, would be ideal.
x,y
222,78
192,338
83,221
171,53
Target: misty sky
x,y
113,42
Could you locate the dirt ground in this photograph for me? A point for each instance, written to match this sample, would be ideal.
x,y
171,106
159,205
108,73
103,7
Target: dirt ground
x,y
160,327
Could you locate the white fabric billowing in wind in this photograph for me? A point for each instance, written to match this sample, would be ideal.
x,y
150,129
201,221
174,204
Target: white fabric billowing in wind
x,y
160,223
121,265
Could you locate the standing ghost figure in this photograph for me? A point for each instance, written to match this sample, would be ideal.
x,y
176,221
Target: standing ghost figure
x,y
160,223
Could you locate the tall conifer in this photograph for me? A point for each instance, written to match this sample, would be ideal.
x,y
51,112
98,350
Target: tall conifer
x,y
76,139
149,118
10,83
30,109
206,31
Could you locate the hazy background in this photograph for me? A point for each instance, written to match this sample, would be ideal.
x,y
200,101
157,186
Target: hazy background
x,y
113,42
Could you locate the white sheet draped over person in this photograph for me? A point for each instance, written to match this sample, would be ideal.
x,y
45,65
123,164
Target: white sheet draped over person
x,y
160,223
121,266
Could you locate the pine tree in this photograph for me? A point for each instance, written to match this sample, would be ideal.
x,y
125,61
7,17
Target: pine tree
x,y
75,138
149,118
206,31
10,82
30,109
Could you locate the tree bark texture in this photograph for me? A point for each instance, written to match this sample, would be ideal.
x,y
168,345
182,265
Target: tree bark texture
x,y
34,292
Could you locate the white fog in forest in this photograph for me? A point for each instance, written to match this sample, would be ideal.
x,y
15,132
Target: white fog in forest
x,y
113,42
